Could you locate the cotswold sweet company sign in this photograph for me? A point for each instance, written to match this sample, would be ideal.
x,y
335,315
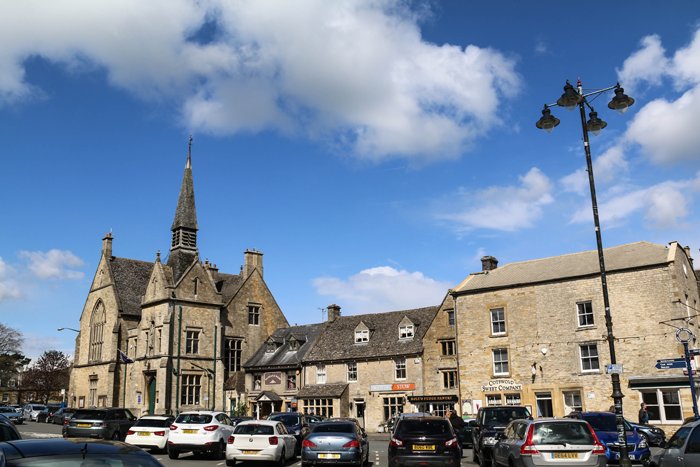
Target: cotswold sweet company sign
x,y
502,384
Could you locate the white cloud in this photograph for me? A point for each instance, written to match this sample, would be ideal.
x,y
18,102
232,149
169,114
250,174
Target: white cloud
x,y
54,264
541,47
354,73
506,208
34,346
8,285
647,64
383,289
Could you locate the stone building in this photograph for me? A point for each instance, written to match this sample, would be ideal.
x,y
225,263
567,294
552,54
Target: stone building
x,y
187,327
366,366
533,333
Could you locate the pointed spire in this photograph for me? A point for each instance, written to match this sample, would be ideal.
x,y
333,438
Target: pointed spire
x,y
186,214
188,165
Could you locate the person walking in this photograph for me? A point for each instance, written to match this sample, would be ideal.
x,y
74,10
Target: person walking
x,y
643,415
458,425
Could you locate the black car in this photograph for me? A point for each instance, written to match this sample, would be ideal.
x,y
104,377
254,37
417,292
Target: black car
x,y
59,417
296,425
8,432
490,421
99,423
44,415
82,452
652,434
425,440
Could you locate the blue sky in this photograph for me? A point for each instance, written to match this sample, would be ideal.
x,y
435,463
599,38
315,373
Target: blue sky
x,y
372,150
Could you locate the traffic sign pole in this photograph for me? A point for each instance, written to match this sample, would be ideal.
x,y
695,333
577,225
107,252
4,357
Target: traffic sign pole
x,y
685,335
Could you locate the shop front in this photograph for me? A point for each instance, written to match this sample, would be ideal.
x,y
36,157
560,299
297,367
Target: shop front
x,y
436,405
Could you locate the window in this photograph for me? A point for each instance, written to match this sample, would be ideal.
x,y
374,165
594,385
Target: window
x,y
441,409
5,397
572,402
191,386
321,374
291,380
589,357
323,407
448,347
361,336
294,345
352,371
500,361
81,402
513,399
663,405
271,347
400,368
254,315
498,321
102,401
92,395
160,341
544,404
196,286
257,382
449,379
393,406
233,354
450,318
406,331
192,343
98,321
494,399
585,314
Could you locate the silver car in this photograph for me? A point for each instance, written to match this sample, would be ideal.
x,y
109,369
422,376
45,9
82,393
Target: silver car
x,y
32,410
682,450
548,442
337,442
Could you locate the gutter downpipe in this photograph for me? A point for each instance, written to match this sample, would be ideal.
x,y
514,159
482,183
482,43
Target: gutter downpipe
x,y
213,383
179,340
459,376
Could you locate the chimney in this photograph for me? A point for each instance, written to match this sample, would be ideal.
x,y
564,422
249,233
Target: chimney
x,y
333,312
690,258
107,245
488,263
253,260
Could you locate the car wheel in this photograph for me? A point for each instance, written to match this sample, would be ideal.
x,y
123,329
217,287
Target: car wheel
x,y
475,458
482,461
230,462
280,462
220,452
173,453
646,438
116,436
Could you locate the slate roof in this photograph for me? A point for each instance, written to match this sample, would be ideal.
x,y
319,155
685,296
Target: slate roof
x,y
236,382
131,279
230,283
283,356
185,213
322,390
337,341
271,395
632,255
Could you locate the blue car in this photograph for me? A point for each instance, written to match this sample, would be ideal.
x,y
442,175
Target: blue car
x,y
605,427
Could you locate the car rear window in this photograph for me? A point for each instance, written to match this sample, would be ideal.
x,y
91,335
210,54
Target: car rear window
x,y
153,422
423,427
603,422
562,432
334,428
287,420
500,417
253,430
7,433
89,415
193,418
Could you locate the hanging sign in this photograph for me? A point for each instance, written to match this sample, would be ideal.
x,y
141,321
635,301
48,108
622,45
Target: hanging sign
x,y
273,379
501,384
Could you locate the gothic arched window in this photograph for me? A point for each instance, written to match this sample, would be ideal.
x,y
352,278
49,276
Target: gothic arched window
x,y
97,326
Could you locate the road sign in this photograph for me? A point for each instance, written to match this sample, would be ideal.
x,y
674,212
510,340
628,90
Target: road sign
x,y
670,363
694,351
615,368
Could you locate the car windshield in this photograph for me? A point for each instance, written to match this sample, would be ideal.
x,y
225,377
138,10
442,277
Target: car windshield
x,y
153,422
678,439
7,409
38,407
251,429
89,415
287,420
94,460
423,427
562,432
334,428
193,418
500,417
603,422
7,433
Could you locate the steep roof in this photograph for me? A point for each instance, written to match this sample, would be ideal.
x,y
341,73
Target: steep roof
x,y
283,356
185,213
337,341
236,382
230,283
131,279
632,255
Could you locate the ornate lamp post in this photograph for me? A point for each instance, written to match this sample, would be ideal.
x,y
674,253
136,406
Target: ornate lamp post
x,y
570,100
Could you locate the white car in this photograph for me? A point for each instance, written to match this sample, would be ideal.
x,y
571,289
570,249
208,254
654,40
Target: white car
x,y
32,410
200,431
260,440
150,432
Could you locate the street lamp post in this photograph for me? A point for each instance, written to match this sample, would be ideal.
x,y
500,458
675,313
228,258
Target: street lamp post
x,y
70,329
570,100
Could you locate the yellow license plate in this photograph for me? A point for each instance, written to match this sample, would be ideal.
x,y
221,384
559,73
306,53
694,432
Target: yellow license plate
x,y
423,447
565,455
144,433
84,425
190,432
329,456
250,452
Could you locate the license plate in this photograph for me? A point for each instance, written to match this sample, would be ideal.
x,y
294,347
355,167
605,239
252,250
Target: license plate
x,y
329,456
250,452
617,456
84,425
144,433
423,447
190,432
565,455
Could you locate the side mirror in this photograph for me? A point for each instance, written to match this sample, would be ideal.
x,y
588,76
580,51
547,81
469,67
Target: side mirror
x,y
663,444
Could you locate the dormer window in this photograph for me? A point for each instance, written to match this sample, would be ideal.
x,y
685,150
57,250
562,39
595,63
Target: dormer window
x,y
361,336
271,347
406,331
294,345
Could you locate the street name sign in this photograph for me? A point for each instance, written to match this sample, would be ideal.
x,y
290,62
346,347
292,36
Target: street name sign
x,y
670,363
614,368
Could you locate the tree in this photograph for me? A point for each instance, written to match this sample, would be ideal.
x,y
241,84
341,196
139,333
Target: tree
x,y
11,358
48,375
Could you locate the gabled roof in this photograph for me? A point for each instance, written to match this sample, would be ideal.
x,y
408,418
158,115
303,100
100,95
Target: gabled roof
x,y
283,356
131,280
632,255
230,283
322,390
337,341
236,382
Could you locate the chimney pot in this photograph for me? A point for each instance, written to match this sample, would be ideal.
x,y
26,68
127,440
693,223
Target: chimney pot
x,y
488,263
333,312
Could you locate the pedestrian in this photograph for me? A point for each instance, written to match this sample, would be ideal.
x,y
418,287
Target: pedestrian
x,y
458,424
643,415
611,409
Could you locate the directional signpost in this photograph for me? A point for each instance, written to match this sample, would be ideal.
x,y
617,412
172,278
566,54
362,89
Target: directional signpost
x,y
685,335
670,363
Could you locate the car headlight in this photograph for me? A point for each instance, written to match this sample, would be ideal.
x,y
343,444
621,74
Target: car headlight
x,y
490,440
642,444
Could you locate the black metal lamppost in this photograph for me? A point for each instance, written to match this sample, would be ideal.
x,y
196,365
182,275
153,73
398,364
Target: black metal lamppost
x,y
570,100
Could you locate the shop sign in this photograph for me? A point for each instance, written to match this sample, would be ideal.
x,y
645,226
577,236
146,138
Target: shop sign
x,y
501,384
414,399
392,387
273,379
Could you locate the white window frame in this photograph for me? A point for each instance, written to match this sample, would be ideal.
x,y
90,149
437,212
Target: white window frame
x,y
491,400
501,361
406,331
399,368
513,399
572,395
662,406
257,381
498,321
321,374
587,314
589,357
352,372
361,336
291,380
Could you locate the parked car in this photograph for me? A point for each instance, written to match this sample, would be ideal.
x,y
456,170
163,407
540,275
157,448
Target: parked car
x,y
312,420
84,452
337,442
468,432
8,432
12,415
428,440
200,431
32,410
110,424
260,440
353,420
490,421
683,449
604,425
44,415
553,441
652,434
296,424
59,417
150,431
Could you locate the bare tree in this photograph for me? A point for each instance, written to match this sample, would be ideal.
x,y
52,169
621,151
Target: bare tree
x,y
11,358
48,375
